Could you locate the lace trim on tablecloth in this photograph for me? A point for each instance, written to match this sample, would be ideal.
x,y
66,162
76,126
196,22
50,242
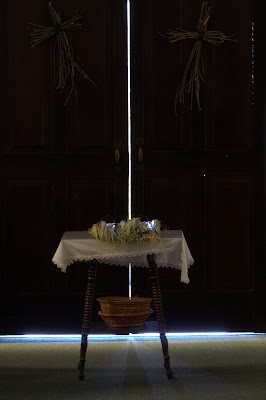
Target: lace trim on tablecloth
x,y
63,267
184,273
70,260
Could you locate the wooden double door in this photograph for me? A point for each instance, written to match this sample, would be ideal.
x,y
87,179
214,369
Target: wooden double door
x,y
66,167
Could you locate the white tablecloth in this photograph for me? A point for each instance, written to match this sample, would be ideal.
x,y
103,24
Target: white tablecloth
x,y
172,252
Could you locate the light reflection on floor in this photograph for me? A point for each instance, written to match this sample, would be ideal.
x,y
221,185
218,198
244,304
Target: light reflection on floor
x,y
129,337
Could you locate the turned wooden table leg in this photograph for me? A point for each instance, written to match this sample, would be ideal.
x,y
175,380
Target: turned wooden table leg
x,y
157,299
88,306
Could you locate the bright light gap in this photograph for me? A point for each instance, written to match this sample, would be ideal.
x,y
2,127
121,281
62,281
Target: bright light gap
x,y
129,112
129,134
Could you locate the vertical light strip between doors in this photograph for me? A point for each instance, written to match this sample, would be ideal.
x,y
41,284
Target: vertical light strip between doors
x,y
129,134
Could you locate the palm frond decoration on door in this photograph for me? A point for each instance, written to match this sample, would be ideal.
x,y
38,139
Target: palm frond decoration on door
x,y
66,65
194,71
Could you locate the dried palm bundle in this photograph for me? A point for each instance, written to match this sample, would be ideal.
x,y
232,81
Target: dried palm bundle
x,y
66,62
127,231
194,70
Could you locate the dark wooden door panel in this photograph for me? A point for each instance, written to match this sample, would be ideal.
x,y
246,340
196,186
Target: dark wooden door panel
x,y
230,232
27,80
92,117
89,202
229,78
29,231
177,202
200,169
155,75
58,170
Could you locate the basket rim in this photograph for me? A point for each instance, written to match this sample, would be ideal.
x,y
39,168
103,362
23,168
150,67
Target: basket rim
x,y
119,299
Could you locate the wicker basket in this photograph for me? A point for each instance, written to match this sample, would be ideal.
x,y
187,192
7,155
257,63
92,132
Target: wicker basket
x,y
122,311
122,320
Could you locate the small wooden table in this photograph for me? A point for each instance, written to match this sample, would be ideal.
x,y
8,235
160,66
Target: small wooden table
x,y
80,246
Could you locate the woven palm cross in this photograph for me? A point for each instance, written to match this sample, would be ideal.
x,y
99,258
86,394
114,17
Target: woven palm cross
x,y
194,70
66,62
